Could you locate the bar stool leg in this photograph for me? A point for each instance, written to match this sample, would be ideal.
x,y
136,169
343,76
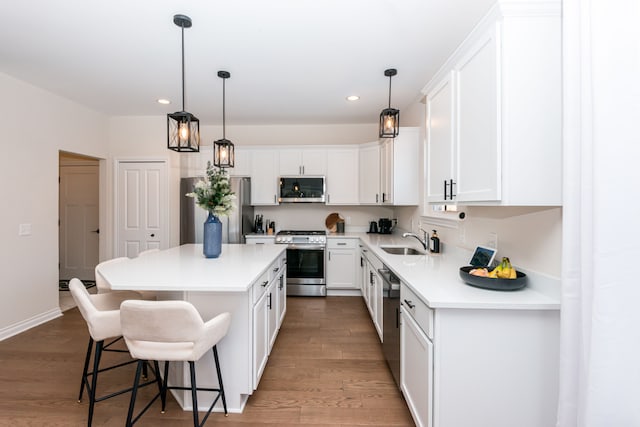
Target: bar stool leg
x,y
163,393
134,393
85,369
194,393
94,380
217,362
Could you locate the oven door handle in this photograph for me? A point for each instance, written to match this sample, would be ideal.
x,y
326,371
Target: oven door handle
x,y
306,247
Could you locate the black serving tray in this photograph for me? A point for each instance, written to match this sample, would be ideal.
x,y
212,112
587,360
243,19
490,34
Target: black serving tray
x,y
494,284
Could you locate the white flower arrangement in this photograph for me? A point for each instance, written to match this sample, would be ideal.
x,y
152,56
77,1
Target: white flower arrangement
x,y
214,193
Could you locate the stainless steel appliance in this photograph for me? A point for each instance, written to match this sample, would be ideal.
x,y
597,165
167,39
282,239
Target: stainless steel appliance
x,y
234,227
302,189
305,261
391,321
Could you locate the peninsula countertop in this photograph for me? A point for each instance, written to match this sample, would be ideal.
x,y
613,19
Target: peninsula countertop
x,y
184,268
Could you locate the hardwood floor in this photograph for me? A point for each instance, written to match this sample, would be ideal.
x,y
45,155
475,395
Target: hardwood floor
x,y
326,369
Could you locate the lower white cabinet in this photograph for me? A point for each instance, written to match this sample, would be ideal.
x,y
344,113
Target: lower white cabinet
x,y
472,367
372,290
269,307
416,359
257,239
342,263
260,338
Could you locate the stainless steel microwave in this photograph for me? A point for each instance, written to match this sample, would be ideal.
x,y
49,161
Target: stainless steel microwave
x,y
302,189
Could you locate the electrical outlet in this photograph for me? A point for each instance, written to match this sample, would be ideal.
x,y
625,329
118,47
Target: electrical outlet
x,y
24,230
462,238
493,240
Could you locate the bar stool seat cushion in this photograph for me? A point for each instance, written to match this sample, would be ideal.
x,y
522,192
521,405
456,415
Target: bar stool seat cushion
x,y
171,331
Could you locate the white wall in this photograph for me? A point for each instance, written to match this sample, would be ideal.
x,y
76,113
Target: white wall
x,y
37,125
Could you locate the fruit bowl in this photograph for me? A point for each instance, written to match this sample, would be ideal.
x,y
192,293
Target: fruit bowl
x,y
494,284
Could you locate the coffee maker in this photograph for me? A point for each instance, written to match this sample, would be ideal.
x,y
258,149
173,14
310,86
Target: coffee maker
x,y
384,226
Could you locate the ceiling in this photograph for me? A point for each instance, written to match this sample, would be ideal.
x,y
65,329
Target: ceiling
x,y
291,61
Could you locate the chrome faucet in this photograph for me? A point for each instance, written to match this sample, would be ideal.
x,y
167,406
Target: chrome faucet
x,y
422,241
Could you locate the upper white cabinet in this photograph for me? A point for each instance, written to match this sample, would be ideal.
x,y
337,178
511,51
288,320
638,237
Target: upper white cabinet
x,y
494,112
369,174
264,177
306,161
342,176
242,165
399,168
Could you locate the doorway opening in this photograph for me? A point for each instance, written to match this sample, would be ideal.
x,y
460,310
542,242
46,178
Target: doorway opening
x,y
78,223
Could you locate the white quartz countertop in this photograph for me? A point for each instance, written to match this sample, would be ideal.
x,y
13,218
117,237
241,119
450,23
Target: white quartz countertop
x,y
435,278
184,268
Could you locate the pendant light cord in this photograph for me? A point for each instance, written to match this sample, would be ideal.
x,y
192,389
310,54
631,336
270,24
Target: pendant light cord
x,y
224,135
182,26
389,92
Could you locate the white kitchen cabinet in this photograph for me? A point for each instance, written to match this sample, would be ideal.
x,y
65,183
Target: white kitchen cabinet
x,y
272,312
260,332
416,357
242,165
476,359
306,161
260,239
369,174
281,284
269,306
342,178
373,290
342,263
440,133
400,161
264,177
494,112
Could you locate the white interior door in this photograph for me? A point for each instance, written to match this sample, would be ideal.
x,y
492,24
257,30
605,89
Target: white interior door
x,y
141,207
78,210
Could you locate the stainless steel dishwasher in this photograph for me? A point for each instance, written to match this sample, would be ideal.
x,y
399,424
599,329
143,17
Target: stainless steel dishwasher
x,y
391,321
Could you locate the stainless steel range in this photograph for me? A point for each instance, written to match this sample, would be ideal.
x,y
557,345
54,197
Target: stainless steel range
x,y
305,261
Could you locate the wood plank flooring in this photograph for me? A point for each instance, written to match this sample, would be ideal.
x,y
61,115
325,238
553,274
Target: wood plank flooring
x,y
326,369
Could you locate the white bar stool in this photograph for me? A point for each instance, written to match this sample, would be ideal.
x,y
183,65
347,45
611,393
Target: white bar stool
x,y
102,314
171,331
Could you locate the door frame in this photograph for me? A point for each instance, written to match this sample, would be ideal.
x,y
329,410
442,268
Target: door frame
x,y
116,173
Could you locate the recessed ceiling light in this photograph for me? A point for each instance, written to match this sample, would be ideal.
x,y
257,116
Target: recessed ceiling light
x,y
353,98
164,101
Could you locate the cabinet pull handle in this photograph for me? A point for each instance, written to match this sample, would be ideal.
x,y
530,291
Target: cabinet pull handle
x,y
342,244
275,270
329,256
275,198
383,194
445,189
281,282
376,197
409,304
397,318
269,300
451,184
265,283
328,198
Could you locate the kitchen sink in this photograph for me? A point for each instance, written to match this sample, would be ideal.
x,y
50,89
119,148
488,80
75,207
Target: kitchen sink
x,y
401,250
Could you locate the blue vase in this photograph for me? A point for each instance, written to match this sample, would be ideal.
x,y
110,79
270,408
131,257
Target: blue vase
x,y
212,239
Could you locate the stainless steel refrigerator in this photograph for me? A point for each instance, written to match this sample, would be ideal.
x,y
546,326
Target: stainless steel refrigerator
x,y
234,227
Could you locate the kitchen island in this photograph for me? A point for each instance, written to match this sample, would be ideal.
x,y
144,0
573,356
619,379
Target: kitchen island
x,y
246,280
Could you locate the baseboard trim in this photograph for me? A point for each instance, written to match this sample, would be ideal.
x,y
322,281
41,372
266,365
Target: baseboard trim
x,y
344,293
27,324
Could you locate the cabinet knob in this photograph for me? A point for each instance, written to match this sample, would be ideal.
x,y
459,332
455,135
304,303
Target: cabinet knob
x,y
265,283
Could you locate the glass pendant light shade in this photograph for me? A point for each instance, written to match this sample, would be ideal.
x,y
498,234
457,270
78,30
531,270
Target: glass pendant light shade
x,y
183,128
223,154
389,117
223,149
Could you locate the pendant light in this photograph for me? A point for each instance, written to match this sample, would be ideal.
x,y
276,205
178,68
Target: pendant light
x,y
223,150
183,129
390,117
